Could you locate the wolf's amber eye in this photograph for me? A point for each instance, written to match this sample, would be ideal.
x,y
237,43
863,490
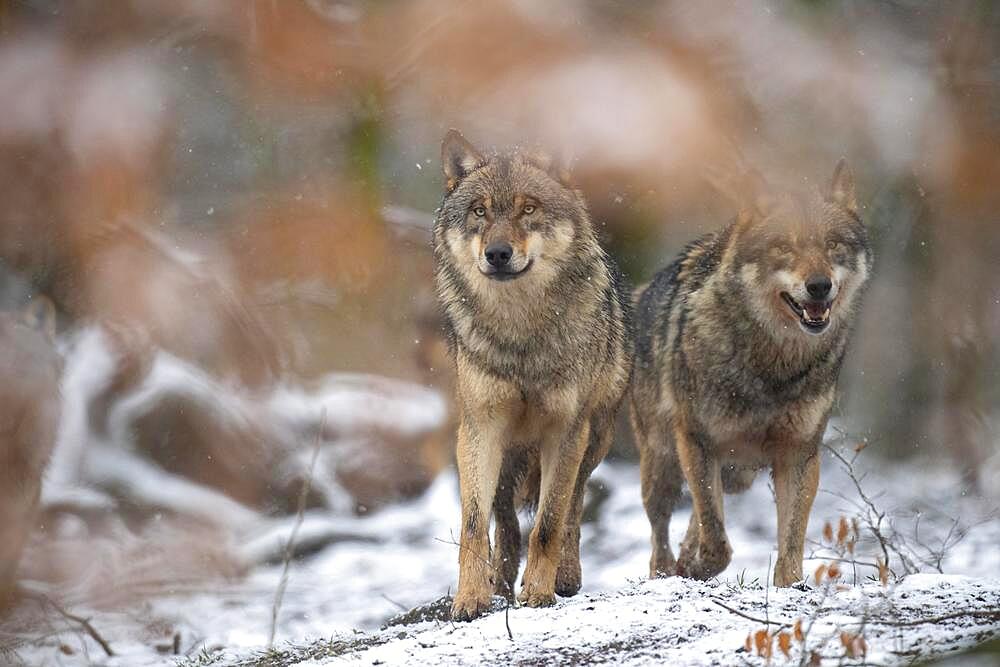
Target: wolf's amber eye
x,y
528,209
479,211
832,244
783,248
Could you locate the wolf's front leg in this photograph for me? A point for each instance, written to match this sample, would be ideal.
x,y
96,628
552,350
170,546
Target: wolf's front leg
x,y
796,478
561,456
480,453
704,478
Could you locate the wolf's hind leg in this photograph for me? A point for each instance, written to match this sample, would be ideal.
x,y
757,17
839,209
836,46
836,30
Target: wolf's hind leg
x,y
704,478
737,479
569,575
689,545
662,477
561,456
507,533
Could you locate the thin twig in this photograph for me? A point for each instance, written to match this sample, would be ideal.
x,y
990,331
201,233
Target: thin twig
x,y
873,516
763,621
68,615
834,559
279,594
767,591
393,602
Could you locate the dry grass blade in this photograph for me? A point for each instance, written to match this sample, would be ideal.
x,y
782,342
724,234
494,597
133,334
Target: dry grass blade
x,y
279,594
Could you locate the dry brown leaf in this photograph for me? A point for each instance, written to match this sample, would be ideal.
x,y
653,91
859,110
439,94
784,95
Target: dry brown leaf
x,y
818,574
828,532
833,571
842,531
785,643
852,644
748,644
762,641
797,631
845,640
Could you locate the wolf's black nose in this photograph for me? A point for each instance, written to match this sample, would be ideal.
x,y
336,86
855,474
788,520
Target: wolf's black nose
x,y
498,254
818,286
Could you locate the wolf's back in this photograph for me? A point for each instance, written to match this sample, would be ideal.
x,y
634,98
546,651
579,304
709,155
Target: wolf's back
x,y
655,301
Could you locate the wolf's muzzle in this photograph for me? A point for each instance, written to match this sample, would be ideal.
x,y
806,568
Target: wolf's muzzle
x,y
498,254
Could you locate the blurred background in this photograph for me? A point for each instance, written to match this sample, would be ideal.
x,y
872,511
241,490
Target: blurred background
x,y
229,204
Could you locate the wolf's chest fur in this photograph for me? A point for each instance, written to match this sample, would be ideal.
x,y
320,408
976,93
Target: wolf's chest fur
x,y
535,339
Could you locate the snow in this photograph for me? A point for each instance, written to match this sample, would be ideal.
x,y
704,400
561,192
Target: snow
x,y
677,621
369,568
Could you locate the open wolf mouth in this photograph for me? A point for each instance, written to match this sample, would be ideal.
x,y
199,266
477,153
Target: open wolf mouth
x,y
503,274
814,316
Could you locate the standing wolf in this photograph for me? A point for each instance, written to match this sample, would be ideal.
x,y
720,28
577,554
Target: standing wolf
x,y
539,328
740,343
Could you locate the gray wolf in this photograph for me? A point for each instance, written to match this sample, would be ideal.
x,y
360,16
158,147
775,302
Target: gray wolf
x,y
740,341
539,326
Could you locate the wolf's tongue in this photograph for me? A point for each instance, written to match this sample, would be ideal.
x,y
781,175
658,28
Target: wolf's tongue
x,y
815,311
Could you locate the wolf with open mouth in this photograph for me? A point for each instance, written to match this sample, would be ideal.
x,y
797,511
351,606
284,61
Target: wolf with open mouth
x,y
739,345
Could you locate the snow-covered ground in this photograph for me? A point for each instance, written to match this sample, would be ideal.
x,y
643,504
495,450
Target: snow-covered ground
x,y
368,569
682,622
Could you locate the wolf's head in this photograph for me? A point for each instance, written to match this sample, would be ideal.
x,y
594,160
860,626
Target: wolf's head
x,y
801,258
508,217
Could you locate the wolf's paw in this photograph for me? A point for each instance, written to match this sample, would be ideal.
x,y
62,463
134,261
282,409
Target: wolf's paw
x,y
702,567
468,606
531,596
568,579
787,573
687,567
663,572
662,567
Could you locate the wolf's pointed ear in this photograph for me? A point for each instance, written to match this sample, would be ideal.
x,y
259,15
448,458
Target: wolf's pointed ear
x,y
842,187
40,314
458,158
745,188
555,166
